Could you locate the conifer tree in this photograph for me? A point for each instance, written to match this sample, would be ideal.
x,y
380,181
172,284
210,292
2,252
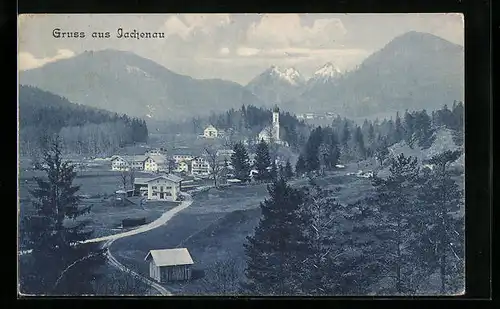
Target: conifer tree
x,y
409,128
440,224
58,263
273,173
240,162
359,143
288,171
312,150
276,250
398,129
346,134
300,166
262,161
395,199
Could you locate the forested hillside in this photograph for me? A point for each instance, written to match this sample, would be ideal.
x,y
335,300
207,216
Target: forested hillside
x,y
247,122
84,130
344,141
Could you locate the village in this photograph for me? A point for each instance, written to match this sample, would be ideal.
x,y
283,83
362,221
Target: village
x,y
169,168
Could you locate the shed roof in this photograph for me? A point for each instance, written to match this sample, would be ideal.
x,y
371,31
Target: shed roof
x,y
170,257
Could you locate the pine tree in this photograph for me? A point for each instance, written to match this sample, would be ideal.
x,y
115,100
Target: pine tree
x,y
422,126
382,151
281,171
346,134
312,150
262,161
409,128
240,162
440,224
339,260
300,166
276,250
273,173
398,130
371,139
395,199
359,143
58,264
288,170
322,263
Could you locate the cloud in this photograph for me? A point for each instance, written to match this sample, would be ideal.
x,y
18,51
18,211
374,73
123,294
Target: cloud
x,y
224,51
247,51
448,26
28,61
286,30
193,24
292,52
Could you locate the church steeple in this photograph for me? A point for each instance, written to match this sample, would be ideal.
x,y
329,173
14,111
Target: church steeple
x,y
276,122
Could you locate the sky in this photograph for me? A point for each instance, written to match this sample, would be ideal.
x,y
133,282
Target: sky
x,y
234,47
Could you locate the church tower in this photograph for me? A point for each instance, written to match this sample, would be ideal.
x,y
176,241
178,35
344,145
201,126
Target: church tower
x,y
276,123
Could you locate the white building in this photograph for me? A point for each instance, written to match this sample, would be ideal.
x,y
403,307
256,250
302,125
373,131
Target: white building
x,y
155,163
200,167
210,132
272,132
125,163
162,188
182,157
152,163
169,264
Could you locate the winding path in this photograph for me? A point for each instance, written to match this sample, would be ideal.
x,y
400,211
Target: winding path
x,y
108,241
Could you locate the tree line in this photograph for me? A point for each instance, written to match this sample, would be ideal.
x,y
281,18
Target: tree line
x,y
392,242
84,130
264,164
247,121
345,141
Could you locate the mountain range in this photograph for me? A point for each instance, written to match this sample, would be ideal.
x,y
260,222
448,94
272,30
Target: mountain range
x,y
126,83
414,71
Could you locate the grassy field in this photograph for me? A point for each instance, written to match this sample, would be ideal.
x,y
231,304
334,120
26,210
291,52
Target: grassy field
x,y
105,216
184,229
214,229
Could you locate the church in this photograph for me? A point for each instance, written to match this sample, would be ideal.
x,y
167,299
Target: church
x,y
271,133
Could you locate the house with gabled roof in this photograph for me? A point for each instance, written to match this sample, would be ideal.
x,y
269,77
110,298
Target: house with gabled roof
x,y
160,188
210,132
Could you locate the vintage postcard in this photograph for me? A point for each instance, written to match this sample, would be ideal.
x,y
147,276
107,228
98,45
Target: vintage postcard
x,y
241,154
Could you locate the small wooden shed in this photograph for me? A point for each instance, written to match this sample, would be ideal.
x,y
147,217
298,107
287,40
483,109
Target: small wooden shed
x,y
169,264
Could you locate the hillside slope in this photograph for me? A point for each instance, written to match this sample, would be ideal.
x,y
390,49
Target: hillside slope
x,y
124,82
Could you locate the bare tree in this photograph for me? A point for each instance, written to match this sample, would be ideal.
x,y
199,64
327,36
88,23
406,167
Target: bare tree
x,y
132,178
170,165
215,168
124,176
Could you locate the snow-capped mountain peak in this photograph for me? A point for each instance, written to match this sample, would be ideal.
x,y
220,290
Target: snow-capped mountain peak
x,y
328,70
290,75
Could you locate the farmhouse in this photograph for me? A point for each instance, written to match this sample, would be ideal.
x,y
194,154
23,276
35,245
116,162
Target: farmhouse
x,y
162,188
200,166
182,157
210,132
155,163
152,163
169,264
